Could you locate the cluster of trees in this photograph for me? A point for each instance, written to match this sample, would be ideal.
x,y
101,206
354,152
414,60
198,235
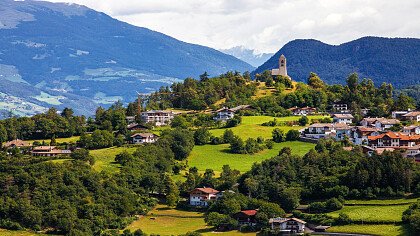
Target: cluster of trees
x,y
200,94
412,216
70,198
328,172
42,126
279,136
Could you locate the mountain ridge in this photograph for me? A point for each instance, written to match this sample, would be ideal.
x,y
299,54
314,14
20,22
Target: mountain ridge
x,y
391,60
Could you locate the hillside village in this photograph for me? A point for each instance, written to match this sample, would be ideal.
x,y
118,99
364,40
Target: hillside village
x,y
267,156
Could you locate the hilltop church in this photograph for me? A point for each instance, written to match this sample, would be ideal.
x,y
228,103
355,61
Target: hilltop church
x,y
282,70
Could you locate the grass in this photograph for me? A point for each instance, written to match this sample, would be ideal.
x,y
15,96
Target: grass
x,y
251,127
382,202
215,156
383,230
5,232
373,213
58,140
169,221
104,158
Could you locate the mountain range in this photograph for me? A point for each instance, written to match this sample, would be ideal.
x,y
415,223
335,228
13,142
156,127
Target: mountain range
x,y
248,55
56,54
391,60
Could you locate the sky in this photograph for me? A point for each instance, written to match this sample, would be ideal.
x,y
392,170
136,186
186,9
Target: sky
x,y
266,25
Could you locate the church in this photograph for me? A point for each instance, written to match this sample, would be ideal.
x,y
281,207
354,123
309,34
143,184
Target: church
x,y
282,70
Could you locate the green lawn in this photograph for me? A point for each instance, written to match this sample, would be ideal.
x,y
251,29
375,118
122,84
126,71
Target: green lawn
x,y
168,221
215,156
373,213
4,232
383,230
251,127
58,140
382,202
104,158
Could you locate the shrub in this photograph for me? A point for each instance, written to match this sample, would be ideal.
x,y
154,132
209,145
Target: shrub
x,y
292,135
278,135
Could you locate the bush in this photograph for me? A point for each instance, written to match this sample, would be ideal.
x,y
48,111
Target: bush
x,y
292,135
333,204
278,135
303,121
201,136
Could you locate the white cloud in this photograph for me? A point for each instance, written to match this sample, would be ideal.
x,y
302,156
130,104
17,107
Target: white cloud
x,y
266,25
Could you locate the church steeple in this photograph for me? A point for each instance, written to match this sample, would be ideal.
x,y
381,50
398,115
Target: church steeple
x,y
282,70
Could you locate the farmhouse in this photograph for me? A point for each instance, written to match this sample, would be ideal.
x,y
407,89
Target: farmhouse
x,y
144,138
288,225
413,116
135,126
340,107
202,196
319,130
394,139
343,118
157,117
17,143
225,113
360,134
302,111
246,217
49,151
379,123
412,129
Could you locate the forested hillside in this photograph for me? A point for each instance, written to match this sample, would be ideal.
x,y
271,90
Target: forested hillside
x,y
391,60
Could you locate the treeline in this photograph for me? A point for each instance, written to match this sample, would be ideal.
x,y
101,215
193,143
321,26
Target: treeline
x,y
203,93
69,198
330,172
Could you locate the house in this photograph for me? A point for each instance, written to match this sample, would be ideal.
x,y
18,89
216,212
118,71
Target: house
x,y
17,143
246,217
360,134
49,151
340,107
365,111
343,118
136,127
222,193
225,113
413,152
319,130
130,119
413,116
412,129
288,225
342,130
398,114
144,138
157,117
379,123
302,111
202,196
394,139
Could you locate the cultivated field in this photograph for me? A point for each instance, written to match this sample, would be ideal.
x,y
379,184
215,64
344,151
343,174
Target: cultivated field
x,y
383,230
215,156
58,140
382,201
373,213
4,232
105,158
251,127
168,221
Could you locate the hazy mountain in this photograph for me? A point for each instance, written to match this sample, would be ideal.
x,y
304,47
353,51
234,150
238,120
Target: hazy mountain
x,y
248,55
392,60
56,54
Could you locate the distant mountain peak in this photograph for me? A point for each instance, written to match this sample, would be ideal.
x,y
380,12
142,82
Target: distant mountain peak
x,y
248,55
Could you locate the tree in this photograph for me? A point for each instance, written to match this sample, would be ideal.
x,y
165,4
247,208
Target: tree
x,y
315,82
3,135
201,136
404,103
124,157
237,145
83,155
179,122
181,142
292,135
289,199
228,136
303,121
278,135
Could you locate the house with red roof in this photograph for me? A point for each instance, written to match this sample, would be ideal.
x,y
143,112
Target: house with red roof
x,y
202,196
246,217
394,139
413,116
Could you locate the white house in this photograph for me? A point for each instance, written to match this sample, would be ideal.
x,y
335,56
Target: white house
x,y
342,130
157,117
398,114
202,196
302,111
379,123
224,114
340,107
360,134
319,130
144,138
412,129
288,225
343,118
413,116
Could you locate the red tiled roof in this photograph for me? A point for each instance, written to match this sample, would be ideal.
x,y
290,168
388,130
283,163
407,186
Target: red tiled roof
x,y
250,212
412,114
206,190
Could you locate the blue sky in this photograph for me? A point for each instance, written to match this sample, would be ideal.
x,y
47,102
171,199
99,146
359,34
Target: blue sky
x,y
266,25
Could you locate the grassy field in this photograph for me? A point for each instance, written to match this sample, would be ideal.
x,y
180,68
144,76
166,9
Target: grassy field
x,y
383,230
382,202
104,158
215,156
251,126
168,221
4,232
59,140
373,213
